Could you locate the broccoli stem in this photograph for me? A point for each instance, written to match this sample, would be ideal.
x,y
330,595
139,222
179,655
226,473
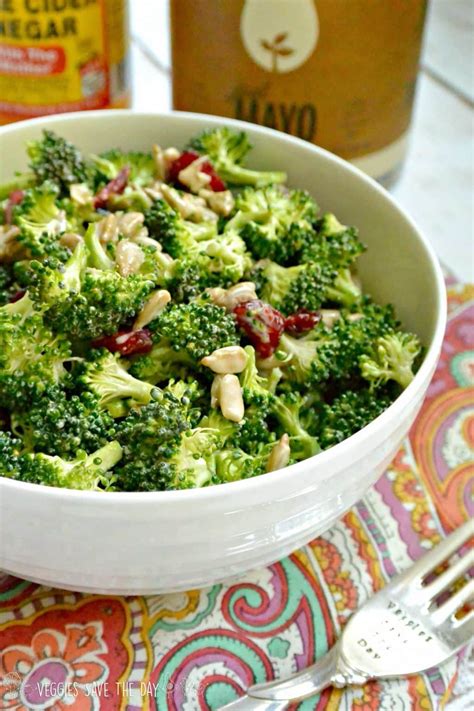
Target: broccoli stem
x,y
98,257
108,455
23,307
111,382
405,375
244,176
289,420
117,408
74,268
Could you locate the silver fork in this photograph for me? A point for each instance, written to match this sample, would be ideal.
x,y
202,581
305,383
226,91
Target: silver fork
x,y
402,630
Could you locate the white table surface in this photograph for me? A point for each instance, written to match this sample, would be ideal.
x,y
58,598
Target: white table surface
x,y
436,186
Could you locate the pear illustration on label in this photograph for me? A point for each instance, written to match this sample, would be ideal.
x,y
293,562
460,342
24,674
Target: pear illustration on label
x,y
279,35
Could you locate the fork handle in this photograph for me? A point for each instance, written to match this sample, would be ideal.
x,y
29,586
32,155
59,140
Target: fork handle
x,y
275,695
330,670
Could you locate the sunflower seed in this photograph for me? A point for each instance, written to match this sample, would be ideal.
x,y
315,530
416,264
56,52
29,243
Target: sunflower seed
x,y
280,454
154,306
231,359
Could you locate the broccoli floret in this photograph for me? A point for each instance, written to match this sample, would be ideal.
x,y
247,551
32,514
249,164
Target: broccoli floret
x,y
23,274
164,224
56,159
105,376
333,243
109,164
191,397
274,223
85,302
10,450
214,420
85,472
162,451
185,464
353,335
150,435
258,394
311,403
335,248
235,464
157,265
325,354
8,283
288,410
41,222
349,413
62,423
202,255
105,302
343,290
52,283
222,264
257,389
232,460
226,149
191,464
161,363
309,359
363,345
289,289
254,432
393,357
187,280
224,258
31,355
221,261
198,328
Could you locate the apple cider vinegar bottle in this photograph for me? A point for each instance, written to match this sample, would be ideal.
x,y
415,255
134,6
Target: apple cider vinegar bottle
x,y
338,73
62,55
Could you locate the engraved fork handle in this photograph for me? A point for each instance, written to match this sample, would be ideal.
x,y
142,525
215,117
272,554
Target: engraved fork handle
x,y
330,670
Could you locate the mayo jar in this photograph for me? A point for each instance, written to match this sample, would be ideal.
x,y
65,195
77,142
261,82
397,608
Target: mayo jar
x,y
338,73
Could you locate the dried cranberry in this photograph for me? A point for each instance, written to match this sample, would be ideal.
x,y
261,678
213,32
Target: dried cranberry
x,y
188,157
15,198
17,296
217,185
262,324
302,321
126,342
114,187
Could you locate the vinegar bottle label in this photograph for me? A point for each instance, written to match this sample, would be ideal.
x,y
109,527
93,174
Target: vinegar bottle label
x,y
58,56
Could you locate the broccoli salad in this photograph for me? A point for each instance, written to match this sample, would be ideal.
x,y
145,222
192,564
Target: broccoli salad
x,y
173,319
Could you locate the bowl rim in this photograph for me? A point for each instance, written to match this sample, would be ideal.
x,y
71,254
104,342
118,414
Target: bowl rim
x,y
339,451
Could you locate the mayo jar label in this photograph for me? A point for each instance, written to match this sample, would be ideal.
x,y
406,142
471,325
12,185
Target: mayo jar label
x,y
61,55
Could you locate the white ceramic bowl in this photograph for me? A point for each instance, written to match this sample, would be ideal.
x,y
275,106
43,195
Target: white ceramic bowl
x,y
162,542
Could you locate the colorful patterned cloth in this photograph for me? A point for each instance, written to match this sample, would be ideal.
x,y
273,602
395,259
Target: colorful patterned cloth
x,y
201,649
